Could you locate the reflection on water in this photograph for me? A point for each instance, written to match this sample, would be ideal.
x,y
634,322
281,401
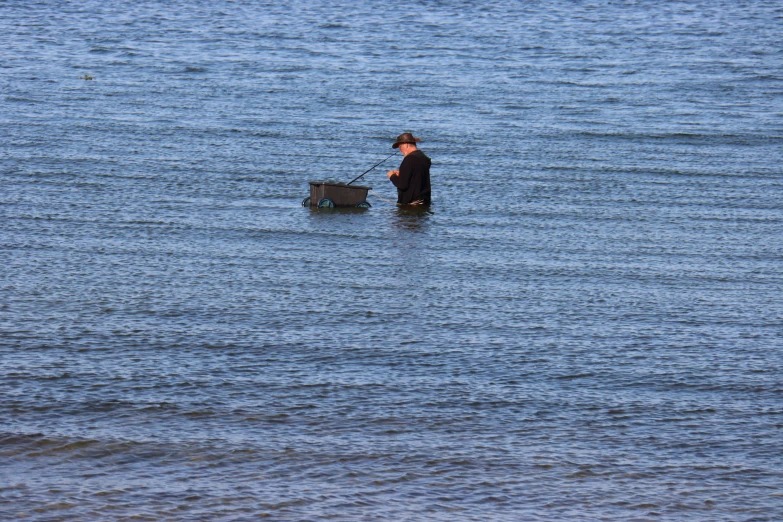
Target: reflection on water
x,y
414,218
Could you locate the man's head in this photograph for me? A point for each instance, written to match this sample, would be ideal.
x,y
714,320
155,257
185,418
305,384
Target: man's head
x,y
407,148
406,142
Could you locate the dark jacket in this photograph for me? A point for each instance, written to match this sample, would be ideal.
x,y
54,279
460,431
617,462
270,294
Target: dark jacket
x,y
413,182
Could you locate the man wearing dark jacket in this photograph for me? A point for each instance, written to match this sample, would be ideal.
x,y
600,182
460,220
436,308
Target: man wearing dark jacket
x,y
413,177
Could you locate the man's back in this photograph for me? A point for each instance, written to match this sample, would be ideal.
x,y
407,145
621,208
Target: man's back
x,y
413,181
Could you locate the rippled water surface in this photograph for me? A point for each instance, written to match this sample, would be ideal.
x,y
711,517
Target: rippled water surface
x,y
586,325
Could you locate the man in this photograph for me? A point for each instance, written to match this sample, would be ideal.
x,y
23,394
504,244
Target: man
x,y
413,177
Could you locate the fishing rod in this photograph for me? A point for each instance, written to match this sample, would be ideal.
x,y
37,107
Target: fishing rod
x,y
368,170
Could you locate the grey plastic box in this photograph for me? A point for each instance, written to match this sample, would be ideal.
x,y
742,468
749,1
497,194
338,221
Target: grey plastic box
x,y
342,195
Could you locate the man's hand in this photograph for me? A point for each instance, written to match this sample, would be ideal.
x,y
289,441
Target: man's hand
x,y
392,173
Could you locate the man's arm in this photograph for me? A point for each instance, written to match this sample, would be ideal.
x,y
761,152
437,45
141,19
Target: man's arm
x,y
401,178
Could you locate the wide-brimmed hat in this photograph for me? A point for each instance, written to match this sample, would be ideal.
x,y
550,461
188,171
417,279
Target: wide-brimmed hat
x,y
405,137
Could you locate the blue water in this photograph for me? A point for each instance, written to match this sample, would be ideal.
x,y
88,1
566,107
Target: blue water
x,y
586,325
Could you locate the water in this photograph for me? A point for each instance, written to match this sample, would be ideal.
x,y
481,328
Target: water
x,y
587,324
